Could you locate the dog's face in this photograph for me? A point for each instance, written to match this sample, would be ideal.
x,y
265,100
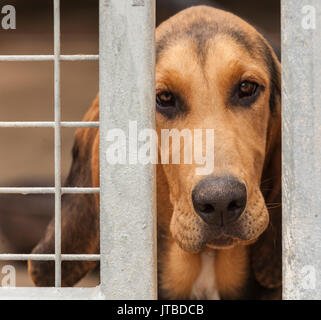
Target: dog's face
x,y
214,71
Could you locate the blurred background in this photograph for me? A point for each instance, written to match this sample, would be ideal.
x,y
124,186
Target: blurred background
x,y
27,92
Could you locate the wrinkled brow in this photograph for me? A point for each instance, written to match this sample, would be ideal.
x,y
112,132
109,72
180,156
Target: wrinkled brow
x,y
201,31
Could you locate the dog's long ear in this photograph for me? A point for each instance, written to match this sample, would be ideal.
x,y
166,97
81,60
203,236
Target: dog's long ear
x,y
80,216
267,251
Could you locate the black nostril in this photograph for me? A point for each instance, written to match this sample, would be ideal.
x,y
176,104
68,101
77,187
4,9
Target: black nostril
x,y
206,208
235,209
219,200
235,206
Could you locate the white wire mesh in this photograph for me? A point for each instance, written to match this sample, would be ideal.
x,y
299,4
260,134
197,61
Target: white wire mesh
x,y
58,190
145,252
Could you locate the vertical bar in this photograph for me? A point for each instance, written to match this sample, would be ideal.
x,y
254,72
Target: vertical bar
x,y
57,145
127,92
301,64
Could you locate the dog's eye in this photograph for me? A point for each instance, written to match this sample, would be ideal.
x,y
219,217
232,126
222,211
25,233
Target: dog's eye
x,y
168,104
245,93
247,89
165,99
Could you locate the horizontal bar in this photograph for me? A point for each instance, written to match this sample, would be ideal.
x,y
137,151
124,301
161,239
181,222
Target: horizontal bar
x,y
48,124
31,190
42,293
74,57
79,190
80,124
80,57
49,257
80,257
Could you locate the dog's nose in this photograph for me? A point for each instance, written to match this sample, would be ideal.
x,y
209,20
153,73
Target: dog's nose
x,y
219,200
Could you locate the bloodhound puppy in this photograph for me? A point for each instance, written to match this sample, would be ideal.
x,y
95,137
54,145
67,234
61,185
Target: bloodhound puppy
x,y
218,235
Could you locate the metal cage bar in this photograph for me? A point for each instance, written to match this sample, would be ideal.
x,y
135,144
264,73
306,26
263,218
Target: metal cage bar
x,y
127,26
72,57
128,235
49,124
57,124
57,144
301,112
49,257
35,190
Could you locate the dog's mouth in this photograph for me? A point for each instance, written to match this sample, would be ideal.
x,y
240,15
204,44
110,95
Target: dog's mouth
x,y
227,242
222,242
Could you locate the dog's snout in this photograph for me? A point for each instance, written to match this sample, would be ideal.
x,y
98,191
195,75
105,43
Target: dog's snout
x,y
219,200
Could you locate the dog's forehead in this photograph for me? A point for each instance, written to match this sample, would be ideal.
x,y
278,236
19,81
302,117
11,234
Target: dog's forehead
x,y
201,24
198,26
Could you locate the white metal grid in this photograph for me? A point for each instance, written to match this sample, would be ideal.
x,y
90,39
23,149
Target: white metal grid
x,y
57,124
127,269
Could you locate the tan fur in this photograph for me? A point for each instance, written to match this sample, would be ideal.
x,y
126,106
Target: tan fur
x,y
180,270
243,142
232,267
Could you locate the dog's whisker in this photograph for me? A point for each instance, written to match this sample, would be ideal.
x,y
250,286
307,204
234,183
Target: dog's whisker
x,y
274,207
266,180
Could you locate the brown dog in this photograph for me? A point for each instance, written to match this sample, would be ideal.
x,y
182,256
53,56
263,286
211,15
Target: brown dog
x,y
219,235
